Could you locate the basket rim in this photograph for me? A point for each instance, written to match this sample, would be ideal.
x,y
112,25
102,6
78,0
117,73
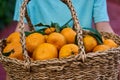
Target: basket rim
x,y
59,60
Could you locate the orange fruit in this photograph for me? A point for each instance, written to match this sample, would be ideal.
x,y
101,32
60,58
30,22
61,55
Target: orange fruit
x,y
67,50
13,37
69,35
49,30
101,48
46,37
33,40
45,51
89,42
17,53
110,43
56,39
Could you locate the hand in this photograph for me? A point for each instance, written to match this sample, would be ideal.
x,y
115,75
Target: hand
x,y
104,27
26,28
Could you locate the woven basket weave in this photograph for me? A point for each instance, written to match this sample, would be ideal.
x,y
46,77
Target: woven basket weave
x,y
91,66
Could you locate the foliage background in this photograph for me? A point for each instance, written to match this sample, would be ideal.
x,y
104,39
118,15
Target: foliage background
x,y
6,12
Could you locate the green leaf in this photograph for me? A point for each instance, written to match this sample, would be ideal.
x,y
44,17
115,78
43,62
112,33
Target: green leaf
x,y
56,26
27,33
96,34
93,31
67,22
99,39
65,26
41,24
8,53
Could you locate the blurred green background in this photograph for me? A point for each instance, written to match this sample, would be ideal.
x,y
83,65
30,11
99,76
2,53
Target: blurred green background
x,y
6,12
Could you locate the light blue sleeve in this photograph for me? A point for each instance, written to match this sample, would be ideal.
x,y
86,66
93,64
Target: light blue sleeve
x,y
100,11
17,11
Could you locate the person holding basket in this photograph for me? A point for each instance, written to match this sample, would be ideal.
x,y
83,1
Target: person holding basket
x,y
47,11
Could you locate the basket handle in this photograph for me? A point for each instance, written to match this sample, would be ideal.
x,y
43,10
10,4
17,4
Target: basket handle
x,y
1,46
21,28
81,55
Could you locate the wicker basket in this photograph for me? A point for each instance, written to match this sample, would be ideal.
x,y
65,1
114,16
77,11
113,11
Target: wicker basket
x,y
91,66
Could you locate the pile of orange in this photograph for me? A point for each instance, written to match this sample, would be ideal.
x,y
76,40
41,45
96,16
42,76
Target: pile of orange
x,y
13,46
91,44
107,44
40,46
53,44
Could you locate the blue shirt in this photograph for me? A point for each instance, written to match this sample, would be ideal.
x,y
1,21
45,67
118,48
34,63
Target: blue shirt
x,y
47,11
